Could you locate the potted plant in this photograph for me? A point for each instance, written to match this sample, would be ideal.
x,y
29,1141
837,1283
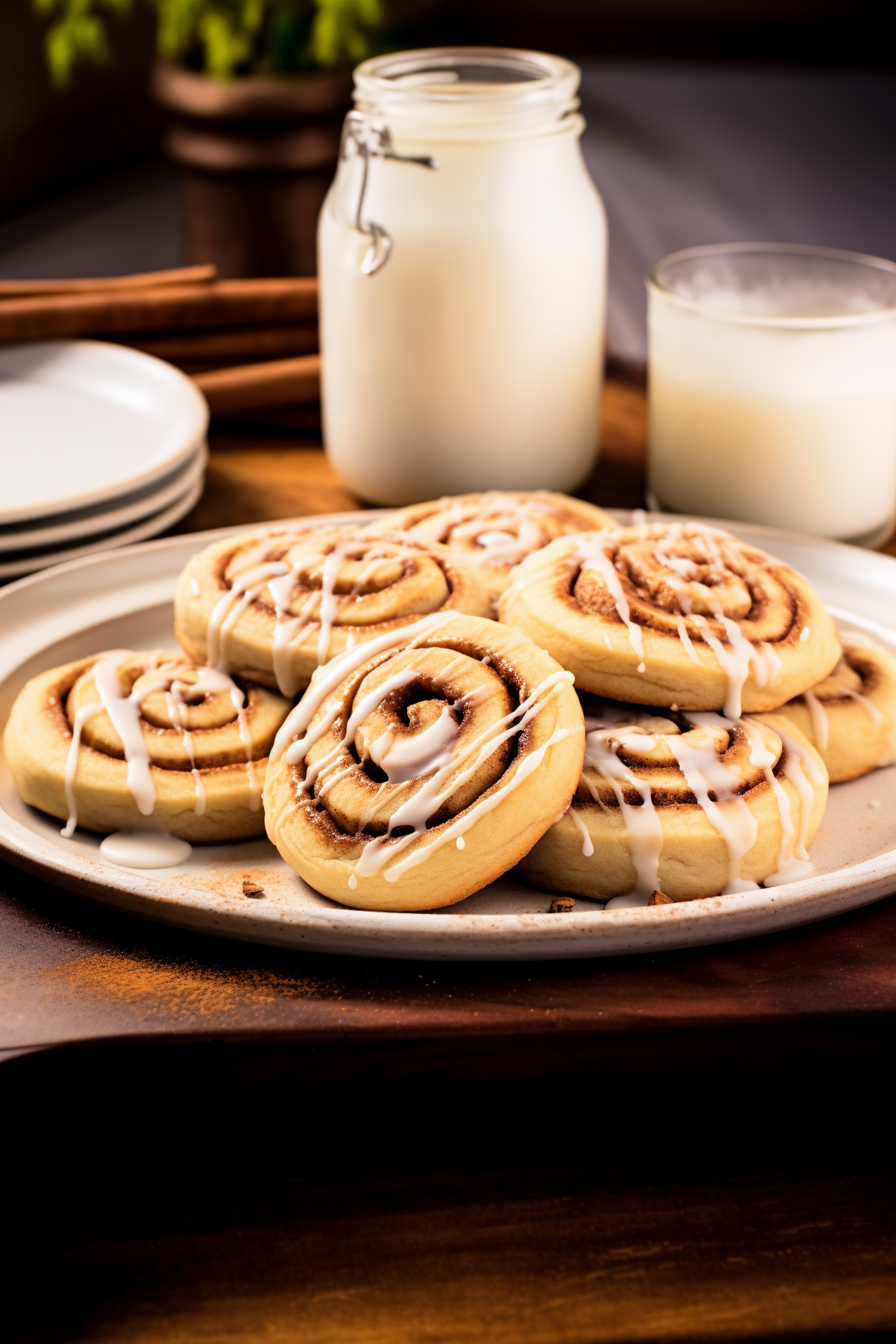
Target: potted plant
x,y
254,93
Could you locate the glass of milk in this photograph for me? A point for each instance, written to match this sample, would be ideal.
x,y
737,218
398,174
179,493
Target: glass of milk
x,y
462,259
773,388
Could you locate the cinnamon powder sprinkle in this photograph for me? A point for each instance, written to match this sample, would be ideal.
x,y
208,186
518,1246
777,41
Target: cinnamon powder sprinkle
x,y
181,990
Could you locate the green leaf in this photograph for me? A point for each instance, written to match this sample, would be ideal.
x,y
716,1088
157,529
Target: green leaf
x,y
229,37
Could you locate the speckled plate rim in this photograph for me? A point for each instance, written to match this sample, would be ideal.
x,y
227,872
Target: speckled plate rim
x,y
145,576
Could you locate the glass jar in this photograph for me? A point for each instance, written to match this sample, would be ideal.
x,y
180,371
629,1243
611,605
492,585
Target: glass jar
x,y
462,257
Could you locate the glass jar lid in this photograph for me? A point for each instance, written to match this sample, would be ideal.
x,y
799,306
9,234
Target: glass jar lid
x,y
468,92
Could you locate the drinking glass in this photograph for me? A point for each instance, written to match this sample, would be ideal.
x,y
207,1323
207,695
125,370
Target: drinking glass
x,y
773,388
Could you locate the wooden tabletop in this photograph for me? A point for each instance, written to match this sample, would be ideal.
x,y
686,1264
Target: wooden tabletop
x,y
688,1145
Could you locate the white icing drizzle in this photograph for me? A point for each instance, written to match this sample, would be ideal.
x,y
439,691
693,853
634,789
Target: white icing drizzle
x,y
587,846
793,860
686,640
289,631
328,606
593,555
326,679
764,654
230,606
361,712
195,587
644,831
734,661
415,813
853,639
869,707
729,815
805,635
739,657
71,765
414,756
819,719
436,754
493,539
124,715
469,819
177,712
511,534
321,606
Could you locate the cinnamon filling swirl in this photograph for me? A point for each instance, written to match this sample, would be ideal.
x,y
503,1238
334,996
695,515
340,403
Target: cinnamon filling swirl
x,y
138,740
673,615
690,804
495,531
276,607
850,716
444,750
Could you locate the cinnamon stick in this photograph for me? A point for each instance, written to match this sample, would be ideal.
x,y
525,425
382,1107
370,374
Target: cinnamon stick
x,y
181,275
238,345
158,308
252,387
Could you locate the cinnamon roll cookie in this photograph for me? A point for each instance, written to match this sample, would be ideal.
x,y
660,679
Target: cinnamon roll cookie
x,y
419,767
493,532
275,606
679,806
134,740
850,717
676,615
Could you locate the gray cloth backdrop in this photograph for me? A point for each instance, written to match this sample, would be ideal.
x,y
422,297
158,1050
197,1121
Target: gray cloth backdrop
x,y
682,155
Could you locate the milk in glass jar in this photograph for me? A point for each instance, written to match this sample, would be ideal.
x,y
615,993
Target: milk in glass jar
x,y
462,252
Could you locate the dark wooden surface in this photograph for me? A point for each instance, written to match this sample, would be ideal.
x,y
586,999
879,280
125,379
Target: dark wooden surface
x,y
208,1140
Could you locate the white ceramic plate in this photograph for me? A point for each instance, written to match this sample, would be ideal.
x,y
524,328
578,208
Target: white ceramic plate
x,y
87,421
13,566
123,599
107,517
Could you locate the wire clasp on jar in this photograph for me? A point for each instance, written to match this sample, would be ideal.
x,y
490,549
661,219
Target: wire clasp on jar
x,y
372,139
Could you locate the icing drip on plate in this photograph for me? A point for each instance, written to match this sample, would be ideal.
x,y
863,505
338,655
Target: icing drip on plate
x,y
144,849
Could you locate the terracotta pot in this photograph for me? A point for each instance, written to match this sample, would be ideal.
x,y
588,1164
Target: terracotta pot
x,y
256,157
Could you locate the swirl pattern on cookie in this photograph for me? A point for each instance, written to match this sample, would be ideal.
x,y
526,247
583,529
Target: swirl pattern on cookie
x,y
126,740
274,607
683,806
496,531
676,615
850,717
421,766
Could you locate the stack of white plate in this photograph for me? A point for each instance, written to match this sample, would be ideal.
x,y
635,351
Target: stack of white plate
x,y
99,446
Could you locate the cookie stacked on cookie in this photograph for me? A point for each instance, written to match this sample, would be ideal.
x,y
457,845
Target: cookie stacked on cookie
x,y
639,715
706,766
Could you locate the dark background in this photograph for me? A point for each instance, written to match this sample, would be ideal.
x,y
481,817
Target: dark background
x,y
706,122
50,140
